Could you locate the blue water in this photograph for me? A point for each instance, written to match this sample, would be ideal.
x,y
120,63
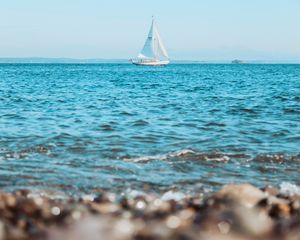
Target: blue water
x,y
77,128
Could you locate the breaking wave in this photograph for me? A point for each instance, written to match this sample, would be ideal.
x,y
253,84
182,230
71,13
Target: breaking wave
x,y
185,154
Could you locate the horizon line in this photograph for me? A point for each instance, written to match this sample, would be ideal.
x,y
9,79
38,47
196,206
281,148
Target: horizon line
x,y
11,59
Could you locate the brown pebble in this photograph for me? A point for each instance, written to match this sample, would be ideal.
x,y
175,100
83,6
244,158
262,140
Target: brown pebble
x,y
271,190
280,211
10,200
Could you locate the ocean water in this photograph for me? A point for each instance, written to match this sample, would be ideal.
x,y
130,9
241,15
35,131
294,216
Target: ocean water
x,y
75,128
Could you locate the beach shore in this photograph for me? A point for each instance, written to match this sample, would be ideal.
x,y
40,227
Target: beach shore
x,y
241,212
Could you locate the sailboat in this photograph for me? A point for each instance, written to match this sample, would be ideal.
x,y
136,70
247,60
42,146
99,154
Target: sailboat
x,y
154,52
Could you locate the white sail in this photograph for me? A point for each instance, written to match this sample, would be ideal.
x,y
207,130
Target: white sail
x,y
161,50
147,51
153,47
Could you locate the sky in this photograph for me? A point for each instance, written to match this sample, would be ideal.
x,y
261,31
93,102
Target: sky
x,y
190,29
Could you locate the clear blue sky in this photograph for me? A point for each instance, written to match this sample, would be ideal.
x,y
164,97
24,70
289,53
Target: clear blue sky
x,y
191,29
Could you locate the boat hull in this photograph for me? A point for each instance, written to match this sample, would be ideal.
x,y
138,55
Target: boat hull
x,y
151,63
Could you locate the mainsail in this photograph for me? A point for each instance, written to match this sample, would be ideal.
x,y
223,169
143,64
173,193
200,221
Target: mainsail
x,y
153,47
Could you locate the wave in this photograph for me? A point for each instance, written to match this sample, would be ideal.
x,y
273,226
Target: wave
x,y
182,155
6,154
276,158
188,154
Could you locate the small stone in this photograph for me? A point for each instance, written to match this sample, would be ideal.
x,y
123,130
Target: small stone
x,y
157,202
26,205
296,205
105,208
173,222
253,221
38,201
55,211
140,205
124,227
271,190
99,198
10,200
280,211
124,203
88,198
244,194
76,215
224,227
172,195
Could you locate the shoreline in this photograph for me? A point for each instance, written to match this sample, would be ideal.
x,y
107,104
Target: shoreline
x,y
241,212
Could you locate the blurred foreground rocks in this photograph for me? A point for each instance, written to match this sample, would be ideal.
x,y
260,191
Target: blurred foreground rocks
x,y
237,212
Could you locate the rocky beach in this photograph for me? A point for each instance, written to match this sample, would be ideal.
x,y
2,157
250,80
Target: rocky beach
x,y
236,212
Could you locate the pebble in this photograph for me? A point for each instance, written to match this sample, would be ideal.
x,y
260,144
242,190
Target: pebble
x,y
55,211
241,212
173,222
244,194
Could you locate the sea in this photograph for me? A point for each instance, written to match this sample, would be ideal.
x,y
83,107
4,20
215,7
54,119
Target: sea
x,y
79,128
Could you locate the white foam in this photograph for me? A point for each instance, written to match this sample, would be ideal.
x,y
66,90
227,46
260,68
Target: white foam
x,y
218,159
39,193
172,195
289,189
130,193
160,156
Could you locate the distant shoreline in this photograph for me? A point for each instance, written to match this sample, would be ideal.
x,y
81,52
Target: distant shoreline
x,y
37,60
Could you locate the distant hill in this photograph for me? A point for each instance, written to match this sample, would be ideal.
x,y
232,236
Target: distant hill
x,y
83,61
59,60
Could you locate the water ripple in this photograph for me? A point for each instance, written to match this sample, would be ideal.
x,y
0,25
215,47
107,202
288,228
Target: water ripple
x,y
80,127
